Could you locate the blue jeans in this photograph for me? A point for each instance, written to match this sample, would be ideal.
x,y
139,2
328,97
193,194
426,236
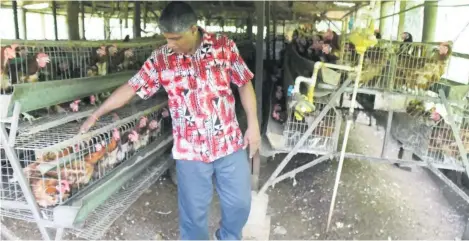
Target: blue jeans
x,y
195,192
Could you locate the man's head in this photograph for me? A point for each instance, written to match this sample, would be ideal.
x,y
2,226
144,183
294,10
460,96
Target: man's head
x,y
178,23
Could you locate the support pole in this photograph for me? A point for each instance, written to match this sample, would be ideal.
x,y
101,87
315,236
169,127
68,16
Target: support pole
x,y
107,28
344,144
401,26
430,14
15,19
267,24
72,20
382,13
259,79
137,30
249,26
54,15
222,24
25,28
387,134
82,8
274,32
284,35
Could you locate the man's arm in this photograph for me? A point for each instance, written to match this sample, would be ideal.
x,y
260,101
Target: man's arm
x,y
242,76
248,100
144,84
119,97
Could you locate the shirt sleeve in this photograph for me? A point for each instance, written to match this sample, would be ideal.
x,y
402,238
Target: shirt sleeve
x,y
240,73
146,82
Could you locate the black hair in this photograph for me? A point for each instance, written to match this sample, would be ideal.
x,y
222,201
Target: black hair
x,y
409,39
177,17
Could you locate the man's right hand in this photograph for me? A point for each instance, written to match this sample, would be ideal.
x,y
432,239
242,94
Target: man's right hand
x,y
119,98
85,127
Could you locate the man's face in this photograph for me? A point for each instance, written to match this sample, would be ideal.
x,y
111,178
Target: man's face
x,y
404,36
184,42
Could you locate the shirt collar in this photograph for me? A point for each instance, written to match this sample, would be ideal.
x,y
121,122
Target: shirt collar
x,y
205,45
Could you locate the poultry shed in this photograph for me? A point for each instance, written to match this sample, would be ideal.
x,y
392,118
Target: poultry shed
x,y
316,88
51,174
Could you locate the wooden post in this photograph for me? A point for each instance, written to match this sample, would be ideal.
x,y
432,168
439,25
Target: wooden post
x,y
25,28
382,13
107,28
145,13
259,79
137,29
82,8
120,26
222,24
430,14
284,35
401,26
267,24
249,26
274,32
15,19
72,20
54,15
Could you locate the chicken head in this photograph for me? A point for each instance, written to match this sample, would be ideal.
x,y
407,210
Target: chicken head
x,y
165,112
113,50
129,53
116,134
42,59
74,105
101,51
143,122
153,125
133,136
444,50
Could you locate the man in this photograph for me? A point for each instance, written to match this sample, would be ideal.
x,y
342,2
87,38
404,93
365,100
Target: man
x,y
196,69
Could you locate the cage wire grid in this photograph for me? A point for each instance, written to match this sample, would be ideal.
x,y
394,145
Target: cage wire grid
x,y
104,216
70,166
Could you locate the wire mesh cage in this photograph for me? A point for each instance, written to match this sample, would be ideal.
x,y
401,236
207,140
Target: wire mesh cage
x,y
325,136
435,142
410,68
58,165
34,62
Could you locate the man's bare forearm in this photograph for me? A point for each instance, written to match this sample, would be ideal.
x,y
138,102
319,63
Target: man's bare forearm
x,y
248,100
119,97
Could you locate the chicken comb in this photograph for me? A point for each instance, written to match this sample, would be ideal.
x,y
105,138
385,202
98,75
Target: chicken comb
x,y
42,55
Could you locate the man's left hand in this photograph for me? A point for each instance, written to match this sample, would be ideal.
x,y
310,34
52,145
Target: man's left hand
x,y
252,138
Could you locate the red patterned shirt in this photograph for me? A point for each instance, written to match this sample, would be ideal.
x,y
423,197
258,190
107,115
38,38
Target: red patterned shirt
x,y
200,99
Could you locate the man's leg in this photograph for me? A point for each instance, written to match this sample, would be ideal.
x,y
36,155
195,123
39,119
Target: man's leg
x,y
195,192
233,182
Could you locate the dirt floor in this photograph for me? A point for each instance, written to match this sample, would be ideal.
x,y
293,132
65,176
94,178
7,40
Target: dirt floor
x,y
375,201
